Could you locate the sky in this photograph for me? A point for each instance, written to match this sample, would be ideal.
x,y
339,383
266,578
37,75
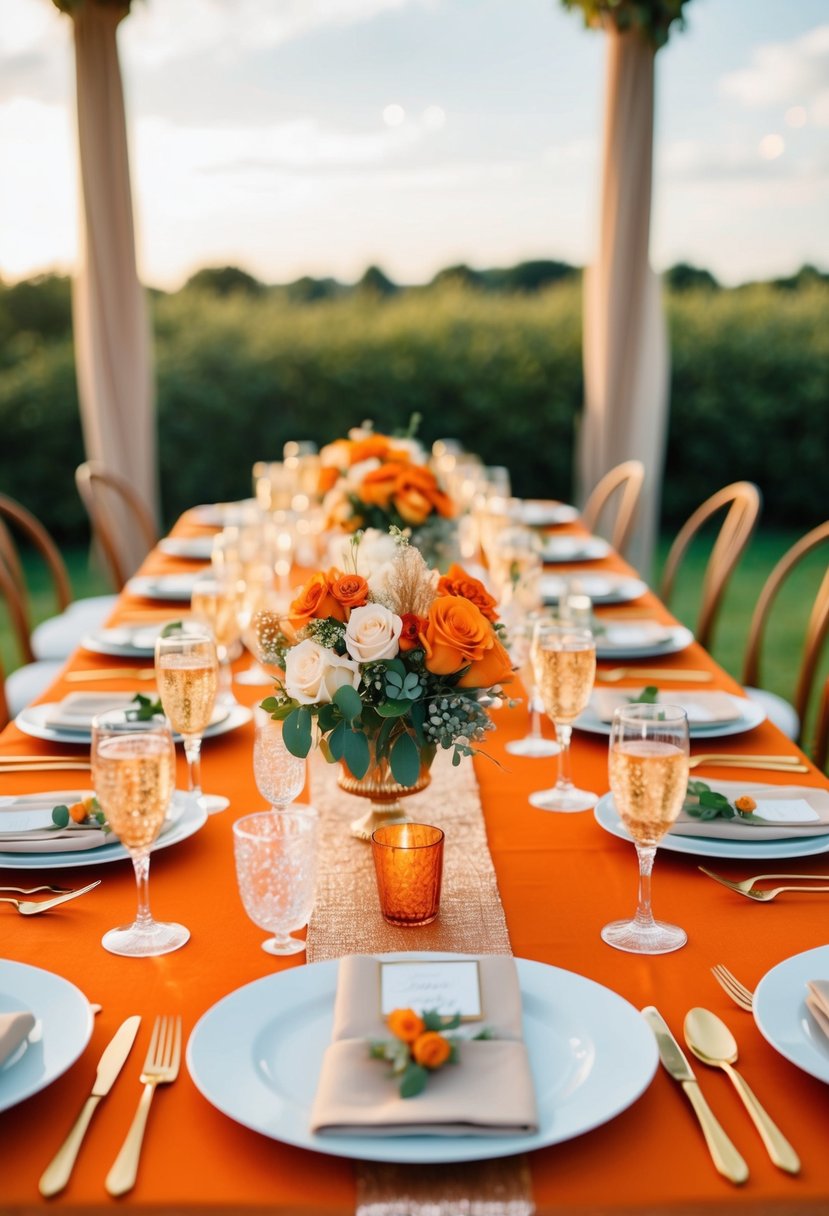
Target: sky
x,y
318,137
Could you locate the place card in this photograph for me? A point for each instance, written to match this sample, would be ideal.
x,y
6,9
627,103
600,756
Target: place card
x,y
786,810
448,986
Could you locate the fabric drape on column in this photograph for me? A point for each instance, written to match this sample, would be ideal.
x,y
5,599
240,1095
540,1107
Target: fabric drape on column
x,y
112,339
626,358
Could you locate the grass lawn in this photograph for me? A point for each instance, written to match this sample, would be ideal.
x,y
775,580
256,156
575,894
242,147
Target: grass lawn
x,y
781,652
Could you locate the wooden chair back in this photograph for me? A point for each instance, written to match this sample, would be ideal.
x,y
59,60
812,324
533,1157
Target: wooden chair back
x,y
5,716
624,484
816,628
99,488
741,502
820,752
12,576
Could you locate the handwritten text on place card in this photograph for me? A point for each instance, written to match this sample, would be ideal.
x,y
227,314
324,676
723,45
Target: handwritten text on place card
x,y
450,986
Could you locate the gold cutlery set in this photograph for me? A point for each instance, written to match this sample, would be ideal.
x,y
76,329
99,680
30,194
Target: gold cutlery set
x,y
710,1040
161,1066
32,907
750,890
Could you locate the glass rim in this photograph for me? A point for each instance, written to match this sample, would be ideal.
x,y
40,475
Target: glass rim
x,y
308,814
650,711
197,632
430,844
118,719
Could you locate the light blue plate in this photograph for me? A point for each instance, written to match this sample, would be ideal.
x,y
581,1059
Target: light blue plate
x,y
781,1014
752,715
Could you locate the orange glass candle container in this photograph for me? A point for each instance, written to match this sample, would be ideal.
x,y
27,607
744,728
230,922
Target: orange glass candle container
x,y
408,860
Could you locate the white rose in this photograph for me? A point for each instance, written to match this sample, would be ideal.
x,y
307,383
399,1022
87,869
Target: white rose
x,y
372,633
374,550
413,448
355,475
313,674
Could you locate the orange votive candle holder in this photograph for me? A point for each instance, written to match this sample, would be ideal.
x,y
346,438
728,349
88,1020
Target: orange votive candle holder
x,y
408,861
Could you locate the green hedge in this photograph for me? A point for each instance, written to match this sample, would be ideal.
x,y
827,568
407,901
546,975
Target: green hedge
x,y
237,376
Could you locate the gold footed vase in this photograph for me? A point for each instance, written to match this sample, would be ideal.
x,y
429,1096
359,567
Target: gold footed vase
x,y
383,793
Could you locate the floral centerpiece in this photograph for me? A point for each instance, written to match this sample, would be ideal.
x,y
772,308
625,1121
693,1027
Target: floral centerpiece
x,y
370,480
382,668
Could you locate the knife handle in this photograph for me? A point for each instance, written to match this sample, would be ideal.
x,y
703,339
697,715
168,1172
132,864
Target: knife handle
x,y
57,1172
723,1153
779,1149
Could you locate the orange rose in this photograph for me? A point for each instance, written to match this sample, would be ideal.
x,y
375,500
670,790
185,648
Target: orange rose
x,y
431,1050
417,495
328,478
377,487
457,582
456,633
315,601
410,633
494,668
405,1024
350,590
372,447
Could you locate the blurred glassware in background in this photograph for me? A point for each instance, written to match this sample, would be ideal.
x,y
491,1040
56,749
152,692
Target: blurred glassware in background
x,y
520,626
217,601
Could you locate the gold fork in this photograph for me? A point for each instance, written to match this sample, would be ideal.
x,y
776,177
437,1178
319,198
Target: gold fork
x,y
31,907
160,1068
670,673
750,891
775,764
34,890
741,996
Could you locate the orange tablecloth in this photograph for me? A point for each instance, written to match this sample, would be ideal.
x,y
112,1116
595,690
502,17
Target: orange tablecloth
x,y
561,878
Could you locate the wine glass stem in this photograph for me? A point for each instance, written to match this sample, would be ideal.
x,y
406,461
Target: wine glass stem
x,y
192,750
535,716
644,912
564,733
141,865
225,678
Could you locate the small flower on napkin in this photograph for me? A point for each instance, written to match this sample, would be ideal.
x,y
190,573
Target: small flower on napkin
x,y
419,1047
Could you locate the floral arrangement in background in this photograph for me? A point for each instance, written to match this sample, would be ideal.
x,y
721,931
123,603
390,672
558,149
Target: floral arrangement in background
x,y
420,1046
388,660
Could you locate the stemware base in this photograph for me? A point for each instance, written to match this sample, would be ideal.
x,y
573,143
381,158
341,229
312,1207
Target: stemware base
x,y
146,941
283,945
533,747
565,801
636,938
213,803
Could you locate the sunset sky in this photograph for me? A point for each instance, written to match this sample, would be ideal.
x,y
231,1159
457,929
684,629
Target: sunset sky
x,y
318,136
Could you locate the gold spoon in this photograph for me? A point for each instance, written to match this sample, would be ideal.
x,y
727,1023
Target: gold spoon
x,y
712,1042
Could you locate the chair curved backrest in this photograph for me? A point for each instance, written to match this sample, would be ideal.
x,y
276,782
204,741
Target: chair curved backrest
x,y
816,628
12,577
5,716
742,500
625,482
99,487
820,751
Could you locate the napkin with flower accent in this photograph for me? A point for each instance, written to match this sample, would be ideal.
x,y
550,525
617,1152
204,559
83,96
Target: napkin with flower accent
x,y
489,1092
781,812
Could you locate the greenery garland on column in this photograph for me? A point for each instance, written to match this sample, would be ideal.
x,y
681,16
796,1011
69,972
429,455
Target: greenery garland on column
x,y
652,17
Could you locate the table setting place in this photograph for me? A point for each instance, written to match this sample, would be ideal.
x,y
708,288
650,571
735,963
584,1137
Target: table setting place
x,y
411,974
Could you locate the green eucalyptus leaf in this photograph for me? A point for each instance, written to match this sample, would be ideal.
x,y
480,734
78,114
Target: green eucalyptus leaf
x,y
296,732
393,709
405,760
417,713
356,752
336,741
348,702
328,718
382,742
60,816
413,1081
648,696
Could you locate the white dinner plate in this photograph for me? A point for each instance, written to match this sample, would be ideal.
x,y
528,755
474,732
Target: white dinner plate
x,y
781,1014
187,819
133,641
256,1056
191,548
177,588
546,513
678,639
607,817
32,721
574,549
752,715
63,1022
225,514
602,588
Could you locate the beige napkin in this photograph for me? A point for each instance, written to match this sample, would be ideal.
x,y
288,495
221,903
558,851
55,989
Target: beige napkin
x,y
817,1002
26,825
77,709
702,708
790,810
489,1092
13,1030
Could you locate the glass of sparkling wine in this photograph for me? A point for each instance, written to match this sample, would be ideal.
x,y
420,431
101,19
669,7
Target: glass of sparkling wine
x,y
186,672
133,774
564,662
216,601
648,766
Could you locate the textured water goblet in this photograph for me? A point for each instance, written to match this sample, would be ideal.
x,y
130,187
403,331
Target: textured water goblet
x,y
276,869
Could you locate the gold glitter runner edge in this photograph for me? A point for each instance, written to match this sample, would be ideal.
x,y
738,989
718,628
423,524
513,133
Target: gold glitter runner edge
x,y
347,920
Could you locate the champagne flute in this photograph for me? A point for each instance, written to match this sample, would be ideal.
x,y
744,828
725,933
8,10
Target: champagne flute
x,y
133,774
648,767
564,662
533,744
186,672
216,601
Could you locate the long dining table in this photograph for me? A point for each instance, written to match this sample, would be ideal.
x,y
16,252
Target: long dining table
x,y
561,878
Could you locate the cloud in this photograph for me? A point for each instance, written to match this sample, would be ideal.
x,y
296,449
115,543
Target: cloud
x,y
786,74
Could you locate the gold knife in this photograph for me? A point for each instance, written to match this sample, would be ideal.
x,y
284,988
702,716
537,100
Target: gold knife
x,y
723,1153
56,1175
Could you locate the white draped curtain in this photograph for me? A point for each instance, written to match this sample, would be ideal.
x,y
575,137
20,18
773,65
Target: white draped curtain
x,y
112,337
626,359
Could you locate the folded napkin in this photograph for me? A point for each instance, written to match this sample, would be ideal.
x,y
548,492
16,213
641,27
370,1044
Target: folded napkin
x,y
77,709
26,825
817,1002
788,811
14,1027
489,1092
624,634
131,637
702,708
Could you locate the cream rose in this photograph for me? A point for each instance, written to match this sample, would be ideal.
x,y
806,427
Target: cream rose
x,y
373,633
313,674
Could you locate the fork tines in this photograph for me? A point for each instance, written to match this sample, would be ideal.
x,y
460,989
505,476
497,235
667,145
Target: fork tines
x,y
738,992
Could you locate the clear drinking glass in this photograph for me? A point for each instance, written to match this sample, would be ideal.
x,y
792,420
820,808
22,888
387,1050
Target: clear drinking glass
x,y
276,868
216,601
186,673
134,775
280,777
564,663
648,767
533,744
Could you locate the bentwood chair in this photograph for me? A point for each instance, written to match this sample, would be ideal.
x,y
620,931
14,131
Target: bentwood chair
x,y
58,636
741,503
33,678
622,485
821,748
101,490
790,717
